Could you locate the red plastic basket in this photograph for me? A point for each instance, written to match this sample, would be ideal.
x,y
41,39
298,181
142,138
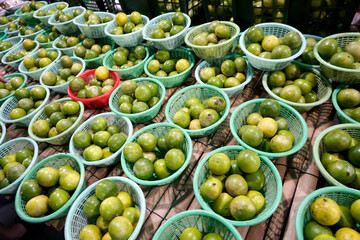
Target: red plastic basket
x,y
100,101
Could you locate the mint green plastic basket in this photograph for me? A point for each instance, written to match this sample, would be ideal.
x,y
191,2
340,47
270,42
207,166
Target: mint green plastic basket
x,y
12,147
3,137
55,161
46,33
343,197
77,220
4,26
93,31
201,92
33,35
63,137
231,92
55,68
272,190
338,74
176,80
215,51
143,116
10,104
45,19
7,79
69,27
3,35
299,62
297,125
69,51
204,221
128,73
343,118
12,34
15,64
123,123
28,17
279,30
36,74
127,39
158,130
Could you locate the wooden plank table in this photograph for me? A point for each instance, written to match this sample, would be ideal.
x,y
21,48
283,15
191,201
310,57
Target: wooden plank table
x,y
299,173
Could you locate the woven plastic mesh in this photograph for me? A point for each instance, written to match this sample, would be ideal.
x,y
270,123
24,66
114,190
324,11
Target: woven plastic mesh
x,y
69,51
13,41
47,44
15,64
8,78
45,19
69,27
93,31
28,17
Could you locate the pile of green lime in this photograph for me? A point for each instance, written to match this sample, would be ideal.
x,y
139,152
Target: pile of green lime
x,y
349,100
167,28
65,74
14,165
163,66
70,41
28,45
349,57
60,117
266,131
99,85
28,101
123,24
342,157
92,18
270,46
217,33
114,213
61,17
230,74
160,156
6,19
31,6
308,56
27,30
195,234
4,45
15,26
196,114
43,38
234,186
146,96
59,7
329,217
123,58
50,190
293,84
45,58
104,140
89,49
8,88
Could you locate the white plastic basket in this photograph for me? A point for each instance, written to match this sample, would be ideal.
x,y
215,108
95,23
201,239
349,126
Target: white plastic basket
x,y
45,19
93,31
69,27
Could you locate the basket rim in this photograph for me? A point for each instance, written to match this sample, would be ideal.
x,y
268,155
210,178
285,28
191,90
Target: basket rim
x,y
174,175
63,49
36,168
48,5
300,213
20,13
88,122
3,132
236,223
77,202
336,104
30,167
294,104
10,38
54,23
33,34
21,66
188,213
34,119
315,150
305,65
47,31
108,33
76,19
3,60
187,22
112,44
23,76
135,115
293,150
326,64
282,60
202,130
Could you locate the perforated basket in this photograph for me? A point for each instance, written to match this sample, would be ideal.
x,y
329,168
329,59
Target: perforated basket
x,y
279,30
170,42
142,116
128,39
45,19
12,34
233,91
272,189
339,74
12,147
28,17
77,220
10,104
123,123
127,73
178,79
323,91
69,51
46,33
55,161
299,62
63,137
4,26
215,51
55,68
343,118
15,64
7,79
158,130
31,36
204,221
319,148
201,92
342,196
36,74
69,27
297,125
3,137
93,31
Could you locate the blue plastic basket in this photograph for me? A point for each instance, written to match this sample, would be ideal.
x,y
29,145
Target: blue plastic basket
x,y
69,51
7,79
15,64
45,19
3,137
